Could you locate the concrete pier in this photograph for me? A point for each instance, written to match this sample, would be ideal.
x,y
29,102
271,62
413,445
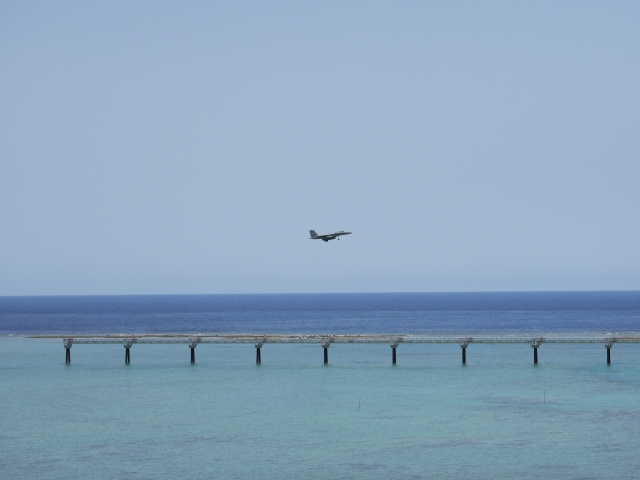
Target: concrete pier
x,y
327,340
68,342
258,357
325,346
535,344
394,345
192,346
463,346
127,356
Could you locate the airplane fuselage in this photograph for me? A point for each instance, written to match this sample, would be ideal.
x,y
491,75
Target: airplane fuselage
x,y
328,236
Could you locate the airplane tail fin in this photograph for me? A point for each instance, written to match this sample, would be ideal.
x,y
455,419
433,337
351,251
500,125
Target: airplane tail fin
x,y
313,233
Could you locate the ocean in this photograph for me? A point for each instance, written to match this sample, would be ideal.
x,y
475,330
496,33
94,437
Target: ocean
x,y
292,417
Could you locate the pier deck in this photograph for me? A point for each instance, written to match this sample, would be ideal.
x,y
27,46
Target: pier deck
x,y
348,338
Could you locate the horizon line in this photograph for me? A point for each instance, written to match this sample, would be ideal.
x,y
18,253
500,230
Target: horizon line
x,y
316,293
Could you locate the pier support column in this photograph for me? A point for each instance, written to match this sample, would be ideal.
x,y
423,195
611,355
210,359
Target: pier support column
x,y
608,345
535,344
463,346
68,342
325,345
127,356
258,356
394,345
192,346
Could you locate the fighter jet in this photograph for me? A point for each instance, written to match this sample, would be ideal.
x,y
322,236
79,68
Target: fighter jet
x,y
328,236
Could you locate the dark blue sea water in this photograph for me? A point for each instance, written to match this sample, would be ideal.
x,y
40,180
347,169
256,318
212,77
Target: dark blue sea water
x,y
325,313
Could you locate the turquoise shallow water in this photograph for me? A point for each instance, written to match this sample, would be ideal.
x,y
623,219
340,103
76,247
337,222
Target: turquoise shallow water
x,y
572,416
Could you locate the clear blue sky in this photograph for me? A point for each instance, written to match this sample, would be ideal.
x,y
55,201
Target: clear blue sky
x,y
188,147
